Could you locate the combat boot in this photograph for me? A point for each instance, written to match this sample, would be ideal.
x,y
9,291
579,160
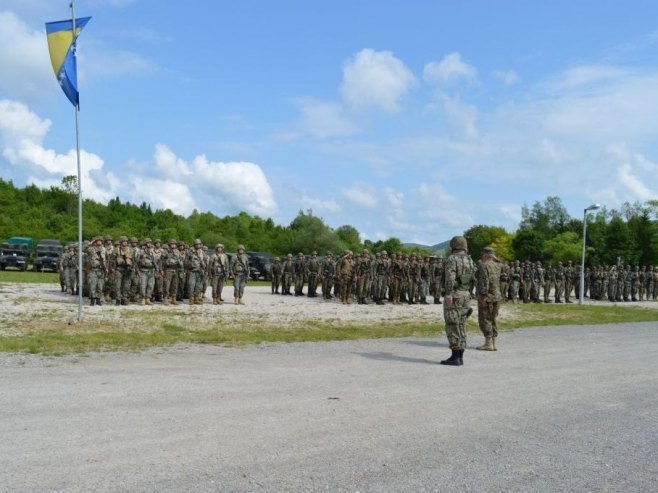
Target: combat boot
x,y
220,301
165,301
174,301
493,343
148,301
240,301
199,300
117,302
236,301
143,301
454,359
99,302
92,301
487,346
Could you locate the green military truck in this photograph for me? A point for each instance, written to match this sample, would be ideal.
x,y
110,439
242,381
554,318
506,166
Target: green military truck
x,y
16,253
47,257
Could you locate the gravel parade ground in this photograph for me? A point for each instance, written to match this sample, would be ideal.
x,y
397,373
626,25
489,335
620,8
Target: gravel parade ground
x,y
572,408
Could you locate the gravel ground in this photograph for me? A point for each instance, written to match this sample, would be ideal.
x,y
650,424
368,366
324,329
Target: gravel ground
x,y
571,408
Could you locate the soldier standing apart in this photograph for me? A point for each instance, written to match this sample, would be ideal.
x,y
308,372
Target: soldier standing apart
x,y
459,272
218,273
312,273
489,298
146,266
275,274
196,264
171,263
240,271
97,265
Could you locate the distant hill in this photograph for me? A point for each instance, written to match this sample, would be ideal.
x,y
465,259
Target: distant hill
x,y
439,248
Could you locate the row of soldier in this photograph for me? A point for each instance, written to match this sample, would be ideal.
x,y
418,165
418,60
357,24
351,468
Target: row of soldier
x,y
528,281
126,272
399,279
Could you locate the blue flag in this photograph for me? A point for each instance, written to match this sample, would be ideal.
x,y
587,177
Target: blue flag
x,y
62,48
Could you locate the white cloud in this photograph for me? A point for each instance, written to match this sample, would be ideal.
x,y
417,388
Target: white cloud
x,y
219,186
375,79
449,70
361,196
323,119
26,69
98,61
507,77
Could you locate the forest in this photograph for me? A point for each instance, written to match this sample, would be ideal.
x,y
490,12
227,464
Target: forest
x,y
546,231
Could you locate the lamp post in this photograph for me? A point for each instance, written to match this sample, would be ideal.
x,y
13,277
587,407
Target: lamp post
x,y
592,207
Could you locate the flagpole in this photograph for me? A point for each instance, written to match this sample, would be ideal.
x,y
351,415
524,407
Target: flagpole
x,y
77,147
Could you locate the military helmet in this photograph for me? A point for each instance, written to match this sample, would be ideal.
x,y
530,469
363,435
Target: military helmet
x,y
133,239
197,241
172,241
108,238
289,255
240,247
123,238
458,243
218,245
157,241
384,252
365,250
277,259
488,250
314,252
300,254
146,240
328,253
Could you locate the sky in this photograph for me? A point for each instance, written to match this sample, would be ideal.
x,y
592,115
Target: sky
x,y
415,119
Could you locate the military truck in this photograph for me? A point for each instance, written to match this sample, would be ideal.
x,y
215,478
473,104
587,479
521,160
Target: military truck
x,y
16,252
47,256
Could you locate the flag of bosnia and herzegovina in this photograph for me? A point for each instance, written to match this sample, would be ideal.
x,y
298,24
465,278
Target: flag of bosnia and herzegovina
x,y
61,45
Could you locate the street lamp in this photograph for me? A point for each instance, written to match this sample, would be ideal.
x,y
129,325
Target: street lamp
x,y
592,207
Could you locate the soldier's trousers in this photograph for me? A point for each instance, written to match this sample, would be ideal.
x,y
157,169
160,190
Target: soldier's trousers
x,y
217,286
362,287
299,284
514,293
487,315
71,277
327,284
122,284
239,282
276,281
170,283
504,287
146,283
559,288
547,292
455,319
286,279
195,284
312,284
96,283
346,288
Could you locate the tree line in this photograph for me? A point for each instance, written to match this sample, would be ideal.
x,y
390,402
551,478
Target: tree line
x,y
549,234
546,231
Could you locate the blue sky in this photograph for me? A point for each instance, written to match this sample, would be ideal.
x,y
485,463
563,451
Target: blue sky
x,y
414,119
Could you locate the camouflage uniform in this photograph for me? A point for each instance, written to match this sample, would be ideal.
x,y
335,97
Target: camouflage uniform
x,y
218,271
489,298
240,271
549,277
171,263
382,273
288,271
362,268
159,274
108,285
196,266
146,267
122,268
275,274
97,268
569,281
504,280
459,271
312,274
327,273
299,269
346,277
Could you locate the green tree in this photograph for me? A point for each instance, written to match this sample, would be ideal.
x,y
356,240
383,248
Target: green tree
x,y
563,247
548,218
480,236
528,244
